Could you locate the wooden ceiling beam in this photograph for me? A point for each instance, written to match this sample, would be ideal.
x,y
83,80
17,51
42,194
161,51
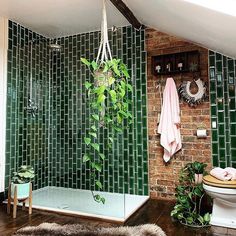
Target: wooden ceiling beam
x,y
127,13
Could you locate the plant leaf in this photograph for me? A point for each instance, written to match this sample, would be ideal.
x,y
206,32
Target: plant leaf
x,y
86,158
102,156
93,134
93,127
85,61
95,117
111,80
87,85
98,167
95,146
130,88
113,95
207,217
100,89
99,184
94,65
87,141
101,98
102,199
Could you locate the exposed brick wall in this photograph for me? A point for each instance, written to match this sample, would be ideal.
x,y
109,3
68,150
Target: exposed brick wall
x,y
164,178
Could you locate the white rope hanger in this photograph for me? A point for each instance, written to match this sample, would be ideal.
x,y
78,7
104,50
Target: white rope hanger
x,y
104,51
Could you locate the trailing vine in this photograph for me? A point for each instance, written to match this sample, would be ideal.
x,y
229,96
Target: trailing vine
x,y
109,105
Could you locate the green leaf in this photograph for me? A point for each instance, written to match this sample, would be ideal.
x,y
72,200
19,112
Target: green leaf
x,y
180,216
98,167
111,80
86,158
99,184
113,95
87,141
93,127
95,117
101,89
102,156
119,118
115,69
124,70
117,129
94,65
189,220
93,134
198,192
123,113
111,139
106,68
122,92
87,85
123,85
95,146
101,98
130,88
207,217
102,199
201,220
85,61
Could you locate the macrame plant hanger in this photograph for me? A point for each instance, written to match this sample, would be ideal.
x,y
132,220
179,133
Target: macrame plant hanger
x,y
104,51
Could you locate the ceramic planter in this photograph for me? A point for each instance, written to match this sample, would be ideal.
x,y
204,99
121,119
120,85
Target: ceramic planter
x,y
198,178
23,190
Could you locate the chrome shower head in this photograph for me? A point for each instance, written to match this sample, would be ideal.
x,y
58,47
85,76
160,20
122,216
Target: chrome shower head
x,y
55,47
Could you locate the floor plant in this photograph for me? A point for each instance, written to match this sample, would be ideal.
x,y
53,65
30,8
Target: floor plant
x,y
189,195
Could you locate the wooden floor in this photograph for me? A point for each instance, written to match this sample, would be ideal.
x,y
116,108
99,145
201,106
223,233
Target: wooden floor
x,y
153,211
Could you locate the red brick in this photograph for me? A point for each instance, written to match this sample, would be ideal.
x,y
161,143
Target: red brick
x,y
163,178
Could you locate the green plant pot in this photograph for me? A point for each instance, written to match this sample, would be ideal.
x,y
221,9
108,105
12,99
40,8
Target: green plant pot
x,y
23,190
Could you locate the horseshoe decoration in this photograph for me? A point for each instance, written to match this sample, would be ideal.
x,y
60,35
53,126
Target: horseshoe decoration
x,y
193,99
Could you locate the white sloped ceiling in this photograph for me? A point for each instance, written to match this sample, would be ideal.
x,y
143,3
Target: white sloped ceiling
x,y
210,28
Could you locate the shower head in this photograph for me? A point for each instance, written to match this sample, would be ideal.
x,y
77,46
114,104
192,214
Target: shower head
x,y
55,47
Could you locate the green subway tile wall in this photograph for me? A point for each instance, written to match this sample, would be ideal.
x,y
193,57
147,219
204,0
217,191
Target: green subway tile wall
x,y
53,141
223,109
126,169
27,137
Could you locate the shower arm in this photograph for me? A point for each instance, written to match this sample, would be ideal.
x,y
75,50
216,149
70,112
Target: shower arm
x,y
31,78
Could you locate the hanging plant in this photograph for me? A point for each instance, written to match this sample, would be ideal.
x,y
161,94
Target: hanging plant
x,y
108,104
109,108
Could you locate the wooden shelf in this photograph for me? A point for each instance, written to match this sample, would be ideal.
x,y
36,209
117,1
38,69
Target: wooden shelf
x,y
176,63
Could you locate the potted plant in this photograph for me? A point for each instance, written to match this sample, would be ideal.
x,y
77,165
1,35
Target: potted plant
x,y
109,108
188,208
21,181
198,168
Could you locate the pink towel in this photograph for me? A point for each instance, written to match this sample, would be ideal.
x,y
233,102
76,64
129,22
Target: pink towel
x,y
169,120
232,172
222,174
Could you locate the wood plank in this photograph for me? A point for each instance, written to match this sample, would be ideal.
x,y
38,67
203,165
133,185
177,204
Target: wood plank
x,y
127,13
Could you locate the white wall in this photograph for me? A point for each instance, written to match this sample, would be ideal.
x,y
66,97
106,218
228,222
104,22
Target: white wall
x,y
3,90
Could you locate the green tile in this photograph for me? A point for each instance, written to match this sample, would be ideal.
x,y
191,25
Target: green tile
x,y
68,111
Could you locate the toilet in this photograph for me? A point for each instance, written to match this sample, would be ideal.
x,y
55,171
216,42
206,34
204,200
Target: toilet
x,y
224,201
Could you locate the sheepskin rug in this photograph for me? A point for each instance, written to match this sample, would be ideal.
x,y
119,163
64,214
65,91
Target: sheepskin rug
x,y
53,229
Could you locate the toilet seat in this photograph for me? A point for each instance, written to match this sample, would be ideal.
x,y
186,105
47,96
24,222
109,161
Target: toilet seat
x,y
212,181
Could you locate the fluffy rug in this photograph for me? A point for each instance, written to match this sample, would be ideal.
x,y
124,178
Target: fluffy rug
x,y
52,229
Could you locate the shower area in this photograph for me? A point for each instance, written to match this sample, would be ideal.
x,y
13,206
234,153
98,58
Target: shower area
x,y
48,117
